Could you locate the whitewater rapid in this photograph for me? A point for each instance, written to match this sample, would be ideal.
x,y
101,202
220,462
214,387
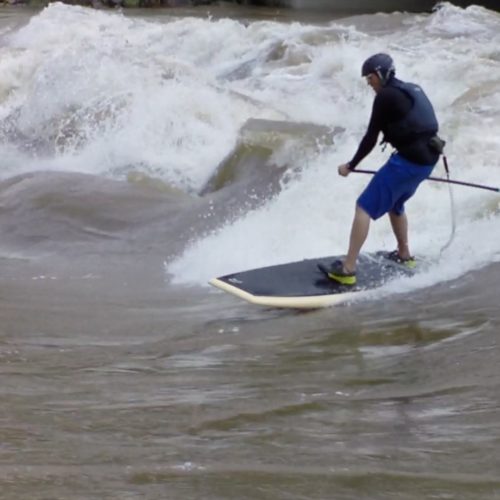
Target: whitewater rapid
x,y
105,94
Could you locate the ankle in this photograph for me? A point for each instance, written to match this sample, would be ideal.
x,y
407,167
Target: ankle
x,y
404,251
348,268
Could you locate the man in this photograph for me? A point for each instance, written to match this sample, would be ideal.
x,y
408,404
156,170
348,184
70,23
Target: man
x,y
404,114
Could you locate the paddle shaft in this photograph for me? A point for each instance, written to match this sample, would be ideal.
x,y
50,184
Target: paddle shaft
x,y
447,181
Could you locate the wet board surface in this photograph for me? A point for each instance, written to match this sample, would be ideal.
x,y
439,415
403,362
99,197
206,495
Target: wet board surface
x,y
302,285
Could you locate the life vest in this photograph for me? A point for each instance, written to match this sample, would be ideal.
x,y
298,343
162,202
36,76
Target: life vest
x,y
419,122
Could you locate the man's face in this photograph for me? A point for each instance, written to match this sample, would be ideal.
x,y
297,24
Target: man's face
x,y
374,82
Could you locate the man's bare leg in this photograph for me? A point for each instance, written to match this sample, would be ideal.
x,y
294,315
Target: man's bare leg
x,y
399,225
359,232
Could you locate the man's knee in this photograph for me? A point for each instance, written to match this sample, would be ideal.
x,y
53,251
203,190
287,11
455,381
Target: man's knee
x,y
398,212
362,212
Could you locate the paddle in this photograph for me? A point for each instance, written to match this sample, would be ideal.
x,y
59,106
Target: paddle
x,y
447,181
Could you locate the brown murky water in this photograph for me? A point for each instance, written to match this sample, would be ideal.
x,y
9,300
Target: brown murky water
x,y
116,386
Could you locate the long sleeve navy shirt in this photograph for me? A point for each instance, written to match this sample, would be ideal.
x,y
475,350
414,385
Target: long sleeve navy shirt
x,y
391,105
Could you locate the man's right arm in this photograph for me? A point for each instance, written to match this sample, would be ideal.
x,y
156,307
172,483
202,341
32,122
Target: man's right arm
x,y
370,138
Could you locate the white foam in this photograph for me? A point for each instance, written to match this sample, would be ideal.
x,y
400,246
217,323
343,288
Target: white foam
x,y
98,92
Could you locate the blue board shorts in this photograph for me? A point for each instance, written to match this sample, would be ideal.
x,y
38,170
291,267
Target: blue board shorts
x,y
394,184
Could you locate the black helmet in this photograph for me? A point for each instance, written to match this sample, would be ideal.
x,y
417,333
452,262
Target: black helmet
x,y
380,64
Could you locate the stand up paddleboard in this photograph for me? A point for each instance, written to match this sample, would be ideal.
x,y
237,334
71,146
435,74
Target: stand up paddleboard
x,y
302,285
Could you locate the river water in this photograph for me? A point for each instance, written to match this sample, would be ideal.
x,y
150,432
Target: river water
x,y
142,155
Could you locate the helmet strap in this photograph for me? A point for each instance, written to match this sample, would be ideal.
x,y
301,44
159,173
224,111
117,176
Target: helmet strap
x,y
383,80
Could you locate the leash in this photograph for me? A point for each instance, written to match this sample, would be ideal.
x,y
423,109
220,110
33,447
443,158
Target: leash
x,y
452,208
